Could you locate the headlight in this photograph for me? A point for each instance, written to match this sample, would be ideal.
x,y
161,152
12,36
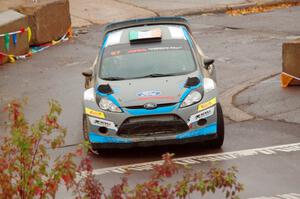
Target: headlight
x,y
192,98
107,105
208,84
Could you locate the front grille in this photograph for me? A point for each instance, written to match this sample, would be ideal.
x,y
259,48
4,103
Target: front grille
x,y
160,125
158,105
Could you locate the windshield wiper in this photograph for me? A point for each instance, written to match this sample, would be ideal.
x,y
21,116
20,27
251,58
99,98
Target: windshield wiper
x,y
161,75
150,75
113,78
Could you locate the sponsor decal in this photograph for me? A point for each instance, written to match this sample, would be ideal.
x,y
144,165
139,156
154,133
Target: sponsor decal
x,y
137,51
148,93
165,48
203,114
103,123
207,104
94,113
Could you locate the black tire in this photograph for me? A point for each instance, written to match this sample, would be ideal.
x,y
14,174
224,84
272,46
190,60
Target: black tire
x,y
85,133
85,127
218,142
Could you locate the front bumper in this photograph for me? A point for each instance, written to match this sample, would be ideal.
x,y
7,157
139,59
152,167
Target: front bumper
x,y
205,133
114,122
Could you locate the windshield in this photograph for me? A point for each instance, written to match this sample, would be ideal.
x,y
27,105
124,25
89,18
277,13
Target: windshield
x,y
165,58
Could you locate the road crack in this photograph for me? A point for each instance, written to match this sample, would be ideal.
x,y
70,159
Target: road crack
x,y
136,6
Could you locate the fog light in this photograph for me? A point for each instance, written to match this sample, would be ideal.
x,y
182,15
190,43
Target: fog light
x,y
202,122
103,130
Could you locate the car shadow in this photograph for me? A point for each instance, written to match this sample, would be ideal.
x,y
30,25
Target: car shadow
x,y
137,154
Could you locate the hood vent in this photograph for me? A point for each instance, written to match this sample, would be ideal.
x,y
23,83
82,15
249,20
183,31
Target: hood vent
x,y
192,81
105,88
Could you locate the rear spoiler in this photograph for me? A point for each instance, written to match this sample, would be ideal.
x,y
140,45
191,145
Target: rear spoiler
x,y
146,21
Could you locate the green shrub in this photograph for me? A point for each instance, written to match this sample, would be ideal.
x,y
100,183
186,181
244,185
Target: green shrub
x,y
25,170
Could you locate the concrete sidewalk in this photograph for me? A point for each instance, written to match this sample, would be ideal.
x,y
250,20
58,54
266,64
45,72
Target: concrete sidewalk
x,y
89,12
102,11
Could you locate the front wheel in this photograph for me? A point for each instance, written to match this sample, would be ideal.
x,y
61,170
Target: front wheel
x,y
218,142
85,133
85,127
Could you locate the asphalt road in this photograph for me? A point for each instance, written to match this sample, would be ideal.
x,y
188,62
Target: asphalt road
x,y
244,47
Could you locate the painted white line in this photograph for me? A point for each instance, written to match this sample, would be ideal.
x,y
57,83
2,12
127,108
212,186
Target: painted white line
x,y
272,150
281,196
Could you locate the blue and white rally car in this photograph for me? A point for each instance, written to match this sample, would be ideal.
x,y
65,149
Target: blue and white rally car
x,y
151,85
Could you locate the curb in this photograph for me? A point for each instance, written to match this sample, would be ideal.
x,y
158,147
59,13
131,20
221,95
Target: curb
x,y
224,8
230,110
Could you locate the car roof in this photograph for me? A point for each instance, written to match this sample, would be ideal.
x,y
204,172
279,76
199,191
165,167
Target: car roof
x,y
146,21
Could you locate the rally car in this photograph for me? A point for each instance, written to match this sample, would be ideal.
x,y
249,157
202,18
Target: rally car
x,y
151,85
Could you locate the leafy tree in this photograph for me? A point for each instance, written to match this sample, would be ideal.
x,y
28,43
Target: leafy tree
x,y
27,170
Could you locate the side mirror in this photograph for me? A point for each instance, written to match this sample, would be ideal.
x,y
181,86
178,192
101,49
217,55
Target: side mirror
x,y
87,73
88,77
208,62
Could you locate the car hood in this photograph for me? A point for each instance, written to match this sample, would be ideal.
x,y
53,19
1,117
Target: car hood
x,y
158,90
